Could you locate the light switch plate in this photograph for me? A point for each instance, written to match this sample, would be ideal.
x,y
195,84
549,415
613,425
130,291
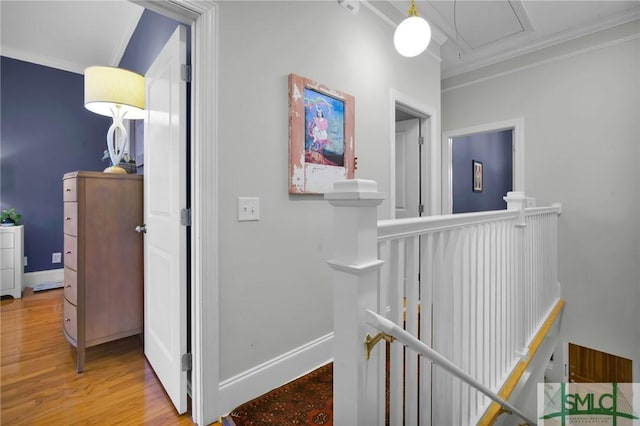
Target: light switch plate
x,y
248,208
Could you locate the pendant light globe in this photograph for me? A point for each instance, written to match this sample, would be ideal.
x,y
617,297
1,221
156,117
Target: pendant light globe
x,y
412,36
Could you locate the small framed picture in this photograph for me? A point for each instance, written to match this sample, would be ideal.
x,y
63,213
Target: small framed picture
x,y
477,176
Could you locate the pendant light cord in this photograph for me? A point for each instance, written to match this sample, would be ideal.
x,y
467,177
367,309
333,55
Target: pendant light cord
x,y
455,21
455,25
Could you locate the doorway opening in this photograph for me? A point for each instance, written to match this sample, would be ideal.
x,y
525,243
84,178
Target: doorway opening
x,y
481,171
412,135
202,193
409,147
411,141
488,149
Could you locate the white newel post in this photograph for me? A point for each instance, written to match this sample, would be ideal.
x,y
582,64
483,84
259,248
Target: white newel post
x,y
355,267
518,201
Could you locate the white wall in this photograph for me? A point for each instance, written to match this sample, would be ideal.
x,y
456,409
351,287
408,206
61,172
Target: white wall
x,y
581,107
275,285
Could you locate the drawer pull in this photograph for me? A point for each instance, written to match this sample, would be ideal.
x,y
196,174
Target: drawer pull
x,y
67,218
68,286
67,189
67,320
67,252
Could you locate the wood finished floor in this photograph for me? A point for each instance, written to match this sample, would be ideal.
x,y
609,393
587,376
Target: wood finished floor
x,y
39,385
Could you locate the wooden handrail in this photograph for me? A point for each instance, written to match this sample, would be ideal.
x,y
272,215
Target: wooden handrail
x,y
493,412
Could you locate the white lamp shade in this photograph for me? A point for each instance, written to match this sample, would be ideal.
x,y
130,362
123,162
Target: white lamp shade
x,y
108,87
412,36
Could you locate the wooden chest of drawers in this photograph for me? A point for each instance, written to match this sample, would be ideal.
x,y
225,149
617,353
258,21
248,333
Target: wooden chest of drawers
x,y
103,259
11,265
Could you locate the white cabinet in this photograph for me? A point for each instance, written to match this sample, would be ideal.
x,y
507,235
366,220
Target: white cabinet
x,y
11,255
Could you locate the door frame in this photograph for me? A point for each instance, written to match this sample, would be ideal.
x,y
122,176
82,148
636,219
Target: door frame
x,y
202,16
516,125
428,128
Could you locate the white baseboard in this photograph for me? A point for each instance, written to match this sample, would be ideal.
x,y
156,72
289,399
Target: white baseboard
x,y
263,378
40,277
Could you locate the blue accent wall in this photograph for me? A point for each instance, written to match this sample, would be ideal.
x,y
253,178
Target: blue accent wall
x,y
147,41
494,150
45,132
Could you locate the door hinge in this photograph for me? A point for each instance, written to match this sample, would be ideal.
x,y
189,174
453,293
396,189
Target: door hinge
x,y
187,360
421,140
420,209
185,217
186,73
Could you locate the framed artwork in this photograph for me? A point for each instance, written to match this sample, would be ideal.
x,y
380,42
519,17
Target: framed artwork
x,y
136,141
139,142
321,144
477,176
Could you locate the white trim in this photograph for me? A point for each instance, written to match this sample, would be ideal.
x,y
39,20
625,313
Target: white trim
x,y
205,237
40,277
274,373
429,119
379,13
43,60
565,361
516,124
355,269
203,18
555,40
543,62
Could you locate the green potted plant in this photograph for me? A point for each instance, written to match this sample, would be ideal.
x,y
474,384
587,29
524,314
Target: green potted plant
x,y
9,217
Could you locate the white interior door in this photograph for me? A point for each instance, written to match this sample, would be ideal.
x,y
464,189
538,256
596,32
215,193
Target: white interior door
x,y
407,168
165,282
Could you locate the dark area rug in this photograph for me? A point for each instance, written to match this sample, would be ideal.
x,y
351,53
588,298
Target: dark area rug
x,y
304,401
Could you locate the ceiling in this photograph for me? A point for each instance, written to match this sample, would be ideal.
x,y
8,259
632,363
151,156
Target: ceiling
x,y
69,35
473,33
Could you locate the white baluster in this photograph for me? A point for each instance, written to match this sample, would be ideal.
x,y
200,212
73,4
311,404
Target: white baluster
x,y
396,292
411,313
426,304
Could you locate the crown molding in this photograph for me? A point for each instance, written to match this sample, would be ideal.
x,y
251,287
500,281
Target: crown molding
x,y
46,61
481,62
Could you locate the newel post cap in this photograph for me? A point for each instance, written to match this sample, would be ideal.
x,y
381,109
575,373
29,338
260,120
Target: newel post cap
x,y
355,185
516,200
361,190
514,195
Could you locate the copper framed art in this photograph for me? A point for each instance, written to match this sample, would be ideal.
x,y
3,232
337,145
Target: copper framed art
x,y
321,141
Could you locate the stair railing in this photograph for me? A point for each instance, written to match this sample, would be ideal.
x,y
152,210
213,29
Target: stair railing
x,y
392,330
475,287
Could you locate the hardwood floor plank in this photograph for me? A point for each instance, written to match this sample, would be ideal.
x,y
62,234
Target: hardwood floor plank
x,y
39,384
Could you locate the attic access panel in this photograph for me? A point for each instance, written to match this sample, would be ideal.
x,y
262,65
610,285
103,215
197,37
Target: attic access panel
x,y
480,23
